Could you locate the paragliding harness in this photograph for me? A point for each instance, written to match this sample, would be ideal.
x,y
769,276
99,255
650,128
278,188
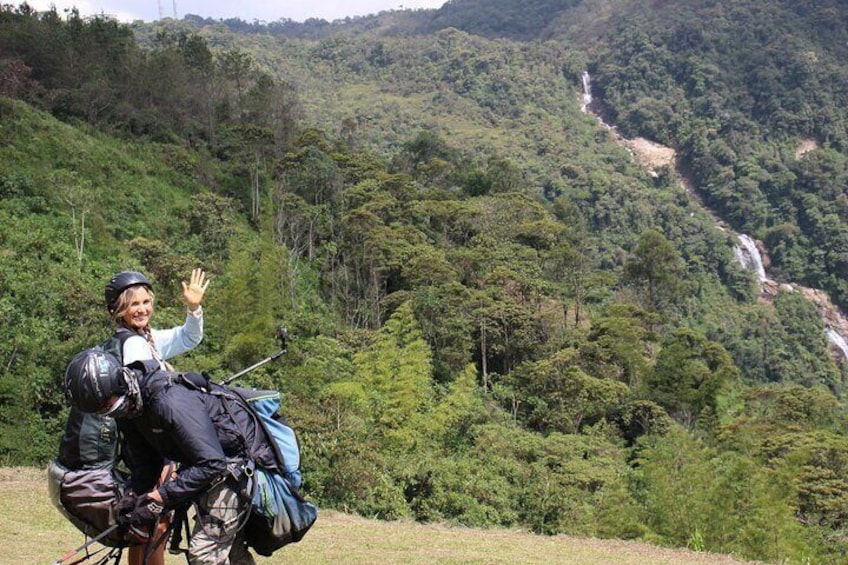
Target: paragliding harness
x,y
87,496
87,491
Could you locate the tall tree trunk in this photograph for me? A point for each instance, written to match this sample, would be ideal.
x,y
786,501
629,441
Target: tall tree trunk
x,y
254,189
483,354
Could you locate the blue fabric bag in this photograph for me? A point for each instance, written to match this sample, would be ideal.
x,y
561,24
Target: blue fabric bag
x,y
280,515
266,405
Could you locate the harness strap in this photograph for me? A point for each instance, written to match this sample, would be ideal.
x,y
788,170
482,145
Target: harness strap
x,y
246,487
151,547
180,523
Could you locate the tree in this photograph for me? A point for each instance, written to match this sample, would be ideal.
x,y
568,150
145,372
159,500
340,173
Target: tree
x,y
274,106
212,221
445,314
504,176
690,373
506,311
236,66
396,373
573,267
558,396
656,267
427,157
250,301
77,195
619,344
456,412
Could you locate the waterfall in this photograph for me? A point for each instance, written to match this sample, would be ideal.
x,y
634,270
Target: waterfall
x,y
587,92
749,256
838,340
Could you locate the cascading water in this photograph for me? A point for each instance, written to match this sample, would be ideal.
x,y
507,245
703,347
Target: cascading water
x,y
748,254
838,341
587,92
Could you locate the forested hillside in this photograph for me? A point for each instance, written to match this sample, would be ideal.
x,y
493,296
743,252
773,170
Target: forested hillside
x,y
498,316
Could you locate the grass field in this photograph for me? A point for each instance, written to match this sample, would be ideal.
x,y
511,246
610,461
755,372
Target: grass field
x,y
32,531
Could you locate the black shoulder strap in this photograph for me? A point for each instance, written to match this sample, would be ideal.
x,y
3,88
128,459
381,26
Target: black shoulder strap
x,y
196,381
115,343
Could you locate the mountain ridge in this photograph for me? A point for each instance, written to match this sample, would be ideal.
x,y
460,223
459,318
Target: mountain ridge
x,y
501,317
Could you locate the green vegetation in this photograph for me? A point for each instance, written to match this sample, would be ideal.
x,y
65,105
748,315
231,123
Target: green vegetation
x,y
498,317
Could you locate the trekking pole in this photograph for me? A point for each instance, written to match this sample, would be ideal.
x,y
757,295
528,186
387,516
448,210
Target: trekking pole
x,y
99,537
283,336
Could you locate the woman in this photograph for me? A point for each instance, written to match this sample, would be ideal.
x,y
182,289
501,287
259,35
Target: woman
x,y
89,445
130,299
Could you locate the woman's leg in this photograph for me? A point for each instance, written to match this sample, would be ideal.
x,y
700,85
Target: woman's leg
x,y
135,556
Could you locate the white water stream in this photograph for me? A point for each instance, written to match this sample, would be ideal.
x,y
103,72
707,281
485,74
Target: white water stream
x,y
587,92
837,340
749,256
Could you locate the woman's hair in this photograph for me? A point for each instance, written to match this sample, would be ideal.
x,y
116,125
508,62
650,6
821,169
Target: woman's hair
x,y
124,301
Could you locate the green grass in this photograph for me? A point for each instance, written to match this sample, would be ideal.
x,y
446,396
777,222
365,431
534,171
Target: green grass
x,y
32,531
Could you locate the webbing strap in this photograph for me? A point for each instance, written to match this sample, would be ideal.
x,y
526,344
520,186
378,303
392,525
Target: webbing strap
x,y
180,523
151,547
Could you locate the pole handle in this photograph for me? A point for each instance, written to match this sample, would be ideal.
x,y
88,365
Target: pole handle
x,y
95,539
256,365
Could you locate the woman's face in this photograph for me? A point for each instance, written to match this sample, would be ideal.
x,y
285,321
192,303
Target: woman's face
x,y
140,308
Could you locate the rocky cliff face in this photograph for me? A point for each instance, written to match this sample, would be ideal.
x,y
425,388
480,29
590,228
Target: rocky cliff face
x,y
836,324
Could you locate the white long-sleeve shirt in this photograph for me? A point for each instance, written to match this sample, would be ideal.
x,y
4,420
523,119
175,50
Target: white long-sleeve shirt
x,y
169,343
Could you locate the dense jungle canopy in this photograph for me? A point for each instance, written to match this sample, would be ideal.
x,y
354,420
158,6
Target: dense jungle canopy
x,y
499,316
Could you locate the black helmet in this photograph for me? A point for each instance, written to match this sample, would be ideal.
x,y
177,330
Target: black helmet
x,y
119,283
92,378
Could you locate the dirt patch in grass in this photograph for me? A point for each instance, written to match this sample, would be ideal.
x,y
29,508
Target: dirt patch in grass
x,y
33,531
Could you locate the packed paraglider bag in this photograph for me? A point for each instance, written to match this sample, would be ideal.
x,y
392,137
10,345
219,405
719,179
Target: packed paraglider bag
x,y
279,514
87,498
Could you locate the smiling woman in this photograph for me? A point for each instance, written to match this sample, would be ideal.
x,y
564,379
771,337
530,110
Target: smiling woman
x,y
130,299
